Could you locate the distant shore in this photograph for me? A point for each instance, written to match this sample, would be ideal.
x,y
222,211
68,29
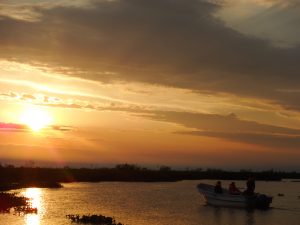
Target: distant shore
x,y
19,177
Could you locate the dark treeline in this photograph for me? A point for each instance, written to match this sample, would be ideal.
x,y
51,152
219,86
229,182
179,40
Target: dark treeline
x,y
36,176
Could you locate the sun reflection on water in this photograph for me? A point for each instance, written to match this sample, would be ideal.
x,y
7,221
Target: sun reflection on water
x,y
35,196
32,219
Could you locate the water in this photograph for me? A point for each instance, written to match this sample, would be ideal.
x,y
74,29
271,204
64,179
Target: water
x,y
176,203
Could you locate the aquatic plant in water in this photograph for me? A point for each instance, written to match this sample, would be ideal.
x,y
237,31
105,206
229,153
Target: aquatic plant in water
x,y
93,219
19,204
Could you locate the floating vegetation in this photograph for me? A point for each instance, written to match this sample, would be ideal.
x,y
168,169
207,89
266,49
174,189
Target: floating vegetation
x,y
20,204
93,219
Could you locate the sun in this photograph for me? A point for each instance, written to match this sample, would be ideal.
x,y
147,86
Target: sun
x,y
36,118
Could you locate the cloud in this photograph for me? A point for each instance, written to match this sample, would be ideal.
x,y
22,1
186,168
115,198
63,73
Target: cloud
x,y
220,123
35,98
8,95
131,108
27,97
12,127
264,139
277,21
61,128
173,43
26,10
267,3
230,127
71,103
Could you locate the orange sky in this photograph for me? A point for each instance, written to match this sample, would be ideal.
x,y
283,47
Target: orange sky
x,y
152,83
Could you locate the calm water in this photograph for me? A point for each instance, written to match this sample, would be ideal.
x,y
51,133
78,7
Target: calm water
x,y
154,204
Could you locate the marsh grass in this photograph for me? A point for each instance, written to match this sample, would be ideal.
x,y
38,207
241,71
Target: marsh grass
x,y
18,204
93,219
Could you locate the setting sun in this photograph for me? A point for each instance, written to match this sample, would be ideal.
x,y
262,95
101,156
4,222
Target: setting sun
x,y
35,118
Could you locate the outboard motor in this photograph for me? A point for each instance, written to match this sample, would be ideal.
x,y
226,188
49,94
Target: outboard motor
x,y
263,201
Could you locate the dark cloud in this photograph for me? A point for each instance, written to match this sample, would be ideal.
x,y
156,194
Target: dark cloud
x,y
168,42
220,123
269,140
231,128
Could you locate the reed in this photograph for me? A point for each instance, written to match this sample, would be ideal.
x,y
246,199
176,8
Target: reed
x,y
10,201
93,219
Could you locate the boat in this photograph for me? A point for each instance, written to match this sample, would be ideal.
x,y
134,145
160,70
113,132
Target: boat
x,y
225,199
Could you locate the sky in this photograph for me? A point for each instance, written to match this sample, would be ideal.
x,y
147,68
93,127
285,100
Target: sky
x,y
198,83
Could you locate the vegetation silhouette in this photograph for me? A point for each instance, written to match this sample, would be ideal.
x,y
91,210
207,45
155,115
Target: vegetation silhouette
x,y
93,219
19,177
19,204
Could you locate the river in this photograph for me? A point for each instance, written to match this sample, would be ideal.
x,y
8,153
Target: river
x,y
176,203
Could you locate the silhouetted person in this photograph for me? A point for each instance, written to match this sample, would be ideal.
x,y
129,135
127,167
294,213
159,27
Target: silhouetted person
x,y
250,186
233,190
218,188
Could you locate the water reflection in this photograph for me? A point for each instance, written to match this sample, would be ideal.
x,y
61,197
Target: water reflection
x,y
217,215
32,219
250,218
35,196
233,216
156,203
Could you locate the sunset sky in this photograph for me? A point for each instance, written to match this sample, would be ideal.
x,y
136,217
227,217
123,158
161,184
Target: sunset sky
x,y
197,83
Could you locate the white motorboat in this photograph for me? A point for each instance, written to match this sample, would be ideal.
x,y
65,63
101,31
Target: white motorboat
x,y
228,200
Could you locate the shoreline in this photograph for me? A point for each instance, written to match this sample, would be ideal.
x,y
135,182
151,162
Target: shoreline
x,y
23,177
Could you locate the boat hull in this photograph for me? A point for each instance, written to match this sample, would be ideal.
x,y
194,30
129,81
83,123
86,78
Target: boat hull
x,y
237,201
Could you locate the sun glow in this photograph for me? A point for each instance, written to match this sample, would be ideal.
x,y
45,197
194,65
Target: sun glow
x,y
36,118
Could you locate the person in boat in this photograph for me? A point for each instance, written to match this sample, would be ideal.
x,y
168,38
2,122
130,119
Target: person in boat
x,y
218,188
250,186
233,190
